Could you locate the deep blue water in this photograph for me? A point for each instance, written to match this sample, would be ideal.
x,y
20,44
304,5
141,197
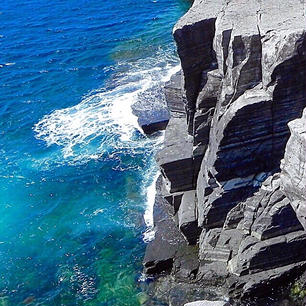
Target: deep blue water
x,y
74,168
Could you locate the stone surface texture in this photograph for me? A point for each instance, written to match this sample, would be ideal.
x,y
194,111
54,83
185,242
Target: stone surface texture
x,y
207,303
234,158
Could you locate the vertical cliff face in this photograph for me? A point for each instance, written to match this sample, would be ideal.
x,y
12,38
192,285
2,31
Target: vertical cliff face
x,y
243,75
293,174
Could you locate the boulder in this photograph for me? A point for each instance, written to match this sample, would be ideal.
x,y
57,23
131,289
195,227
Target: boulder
x,y
151,110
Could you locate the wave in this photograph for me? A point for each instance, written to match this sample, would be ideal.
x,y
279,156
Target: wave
x,y
149,234
104,120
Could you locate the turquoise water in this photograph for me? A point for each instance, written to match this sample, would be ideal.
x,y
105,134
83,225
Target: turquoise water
x,y
74,168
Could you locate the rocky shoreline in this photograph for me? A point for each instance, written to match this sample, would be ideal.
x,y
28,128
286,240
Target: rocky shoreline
x,y
230,207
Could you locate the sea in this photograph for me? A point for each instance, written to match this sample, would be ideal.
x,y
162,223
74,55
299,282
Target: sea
x,y
76,172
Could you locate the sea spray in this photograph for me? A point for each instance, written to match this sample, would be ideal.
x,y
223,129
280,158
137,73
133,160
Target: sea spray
x,y
149,234
103,121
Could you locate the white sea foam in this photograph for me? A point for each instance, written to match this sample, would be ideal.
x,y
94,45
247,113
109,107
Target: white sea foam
x,y
103,119
149,234
102,115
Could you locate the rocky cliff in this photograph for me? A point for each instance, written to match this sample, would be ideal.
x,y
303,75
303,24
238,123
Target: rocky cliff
x,y
230,210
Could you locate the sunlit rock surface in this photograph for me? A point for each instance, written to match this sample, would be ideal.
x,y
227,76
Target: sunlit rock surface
x,y
235,184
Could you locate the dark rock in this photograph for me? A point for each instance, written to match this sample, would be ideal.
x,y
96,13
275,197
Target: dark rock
x,y
205,107
161,251
175,159
168,249
187,217
277,218
260,235
234,216
175,200
194,35
258,285
173,92
293,175
238,49
153,127
208,303
266,255
186,263
210,251
151,110
177,293
244,80
213,212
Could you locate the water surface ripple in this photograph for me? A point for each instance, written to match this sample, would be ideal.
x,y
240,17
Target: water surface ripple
x,y
74,168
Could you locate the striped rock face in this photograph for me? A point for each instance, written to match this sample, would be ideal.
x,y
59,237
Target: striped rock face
x,y
243,81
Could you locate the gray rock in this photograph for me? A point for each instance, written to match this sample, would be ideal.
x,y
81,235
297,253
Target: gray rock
x,y
169,251
234,216
277,218
265,255
175,200
194,35
170,292
173,92
212,249
175,159
206,102
151,110
244,82
186,263
259,284
187,217
207,303
205,107
238,48
160,252
293,175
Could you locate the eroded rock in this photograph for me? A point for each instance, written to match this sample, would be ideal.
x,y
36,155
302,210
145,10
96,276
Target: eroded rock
x,y
243,71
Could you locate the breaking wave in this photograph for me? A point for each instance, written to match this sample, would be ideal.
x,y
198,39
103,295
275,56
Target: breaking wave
x,y
104,120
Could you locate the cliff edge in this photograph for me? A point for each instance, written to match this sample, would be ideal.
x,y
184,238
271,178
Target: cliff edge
x,y
230,210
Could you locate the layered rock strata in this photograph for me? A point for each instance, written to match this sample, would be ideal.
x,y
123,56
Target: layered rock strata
x,y
233,185
293,175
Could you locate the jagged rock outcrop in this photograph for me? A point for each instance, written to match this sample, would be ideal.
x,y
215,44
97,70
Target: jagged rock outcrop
x,y
293,175
173,94
169,250
194,35
260,235
236,185
175,159
151,110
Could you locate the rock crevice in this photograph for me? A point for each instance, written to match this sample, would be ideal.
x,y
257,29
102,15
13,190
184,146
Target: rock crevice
x,y
233,183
